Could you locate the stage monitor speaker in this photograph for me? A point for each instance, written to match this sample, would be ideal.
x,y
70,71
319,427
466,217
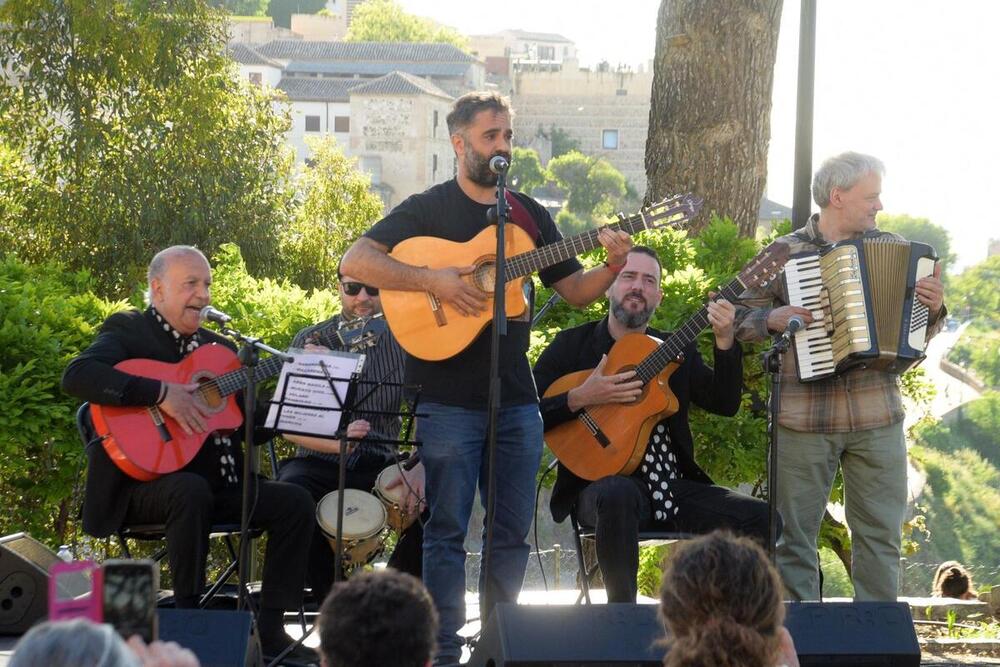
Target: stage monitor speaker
x,y
832,634
24,582
601,634
855,634
218,638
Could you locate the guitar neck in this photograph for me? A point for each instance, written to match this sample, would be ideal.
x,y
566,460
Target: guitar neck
x,y
671,349
233,381
527,263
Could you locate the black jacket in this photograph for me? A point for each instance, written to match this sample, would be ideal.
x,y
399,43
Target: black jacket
x,y
91,376
581,347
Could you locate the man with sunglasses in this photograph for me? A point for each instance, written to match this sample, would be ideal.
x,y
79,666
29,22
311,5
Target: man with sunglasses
x,y
316,464
454,391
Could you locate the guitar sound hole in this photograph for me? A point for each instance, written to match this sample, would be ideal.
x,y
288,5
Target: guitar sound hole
x,y
484,276
208,394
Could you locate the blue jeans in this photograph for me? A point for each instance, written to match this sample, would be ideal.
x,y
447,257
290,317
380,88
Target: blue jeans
x,y
455,458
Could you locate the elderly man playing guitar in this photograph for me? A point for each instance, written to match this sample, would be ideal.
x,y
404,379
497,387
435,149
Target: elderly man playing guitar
x,y
667,489
206,488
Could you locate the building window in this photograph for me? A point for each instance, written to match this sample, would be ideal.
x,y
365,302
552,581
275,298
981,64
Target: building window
x,y
312,123
434,167
546,53
341,123
256,78
609,140
434,129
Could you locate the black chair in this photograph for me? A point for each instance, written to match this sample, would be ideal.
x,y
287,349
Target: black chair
x,y
228,532
647,538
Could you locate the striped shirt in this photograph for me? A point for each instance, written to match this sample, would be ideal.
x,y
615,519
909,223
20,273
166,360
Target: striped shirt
x,y
383,363
858,400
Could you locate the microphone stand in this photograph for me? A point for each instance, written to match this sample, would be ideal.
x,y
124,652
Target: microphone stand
x,y
771,360
249,356
494,401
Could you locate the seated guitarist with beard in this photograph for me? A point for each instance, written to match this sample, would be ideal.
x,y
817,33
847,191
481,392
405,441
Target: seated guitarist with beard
x,y
667,490
208,489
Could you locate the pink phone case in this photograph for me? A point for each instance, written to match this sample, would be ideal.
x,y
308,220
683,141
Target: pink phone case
x,y
69,594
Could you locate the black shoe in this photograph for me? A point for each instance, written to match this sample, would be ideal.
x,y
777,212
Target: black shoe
x,y
300,655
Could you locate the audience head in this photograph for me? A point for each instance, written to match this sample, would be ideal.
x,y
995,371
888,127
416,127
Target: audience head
x,y
952,581
377,618
76,643
721,604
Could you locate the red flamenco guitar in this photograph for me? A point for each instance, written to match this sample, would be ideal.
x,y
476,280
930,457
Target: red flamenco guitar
x,y
611,439
145,442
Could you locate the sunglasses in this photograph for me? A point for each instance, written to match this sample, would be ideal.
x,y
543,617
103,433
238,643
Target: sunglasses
x,y
354,289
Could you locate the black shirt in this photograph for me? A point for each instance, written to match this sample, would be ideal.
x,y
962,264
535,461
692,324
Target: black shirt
x,y
444,211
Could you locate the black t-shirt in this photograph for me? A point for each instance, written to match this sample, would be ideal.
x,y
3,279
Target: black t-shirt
x,y
446,212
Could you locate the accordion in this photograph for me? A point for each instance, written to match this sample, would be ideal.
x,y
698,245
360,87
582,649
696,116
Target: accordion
x,y
865,313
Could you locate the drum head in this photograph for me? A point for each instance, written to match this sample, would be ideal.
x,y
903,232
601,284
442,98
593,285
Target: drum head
x,y
396,493
364,514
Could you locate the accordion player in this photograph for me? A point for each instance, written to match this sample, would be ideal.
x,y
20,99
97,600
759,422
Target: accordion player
x,y
865,312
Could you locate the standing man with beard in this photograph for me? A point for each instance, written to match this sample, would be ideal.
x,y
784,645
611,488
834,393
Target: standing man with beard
x,y
455,390
668,490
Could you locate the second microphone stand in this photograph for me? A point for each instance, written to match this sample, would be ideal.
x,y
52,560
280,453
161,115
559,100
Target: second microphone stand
x,y
772,364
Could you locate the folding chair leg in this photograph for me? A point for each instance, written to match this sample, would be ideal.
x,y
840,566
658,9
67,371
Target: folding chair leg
x,y
584,573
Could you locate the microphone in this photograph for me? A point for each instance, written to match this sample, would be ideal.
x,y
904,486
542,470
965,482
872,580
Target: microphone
x,y
210,314
499,164
795,322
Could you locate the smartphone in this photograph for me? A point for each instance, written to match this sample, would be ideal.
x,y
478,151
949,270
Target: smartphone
x,y
75,591
129,597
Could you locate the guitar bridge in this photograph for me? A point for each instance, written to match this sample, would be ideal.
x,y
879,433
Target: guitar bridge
x,y
594,429
161,425
437,309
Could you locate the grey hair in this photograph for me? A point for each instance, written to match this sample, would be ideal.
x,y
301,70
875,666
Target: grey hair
x,y
160,260
842,171
76,643
158,265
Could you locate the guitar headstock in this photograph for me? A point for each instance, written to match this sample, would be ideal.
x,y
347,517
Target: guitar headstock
x,y
351,335
765,267
674,211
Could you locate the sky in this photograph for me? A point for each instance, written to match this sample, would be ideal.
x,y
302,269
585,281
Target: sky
x,y
913,82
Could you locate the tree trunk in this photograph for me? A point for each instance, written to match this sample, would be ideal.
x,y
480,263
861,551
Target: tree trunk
x,y
709,121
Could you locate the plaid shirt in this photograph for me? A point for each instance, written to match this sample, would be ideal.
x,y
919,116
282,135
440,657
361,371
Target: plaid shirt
x,y
857,400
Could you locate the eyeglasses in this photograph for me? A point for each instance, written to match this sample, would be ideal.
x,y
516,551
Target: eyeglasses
x,y
354,289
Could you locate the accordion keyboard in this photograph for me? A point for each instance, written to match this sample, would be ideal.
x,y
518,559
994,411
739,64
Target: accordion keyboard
x,y
813,347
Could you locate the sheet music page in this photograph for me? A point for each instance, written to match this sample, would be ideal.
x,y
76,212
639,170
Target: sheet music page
x,y
305,390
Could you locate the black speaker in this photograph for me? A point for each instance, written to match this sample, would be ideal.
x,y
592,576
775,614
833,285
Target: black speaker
x,y
24,582
855,634
218,638
830,634
602,634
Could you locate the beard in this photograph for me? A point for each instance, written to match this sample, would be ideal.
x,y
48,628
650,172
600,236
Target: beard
x,y
477,167
631,319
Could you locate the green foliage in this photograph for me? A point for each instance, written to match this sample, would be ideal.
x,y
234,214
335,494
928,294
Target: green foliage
x,y
48,315
281,10
979,350
594,188
922,230
961,501
976,426
651,570
974,293
387,21
241,7
836,582
336,207
132,134
526,171
562,142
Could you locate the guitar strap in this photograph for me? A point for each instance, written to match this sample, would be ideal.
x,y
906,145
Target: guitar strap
x,y
520,216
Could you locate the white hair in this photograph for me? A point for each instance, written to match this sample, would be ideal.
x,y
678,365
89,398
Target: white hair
x,y
843,171
76,643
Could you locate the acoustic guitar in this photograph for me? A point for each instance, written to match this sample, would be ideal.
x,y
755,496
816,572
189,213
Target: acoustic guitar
x,y
611,439
432,330
146,443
